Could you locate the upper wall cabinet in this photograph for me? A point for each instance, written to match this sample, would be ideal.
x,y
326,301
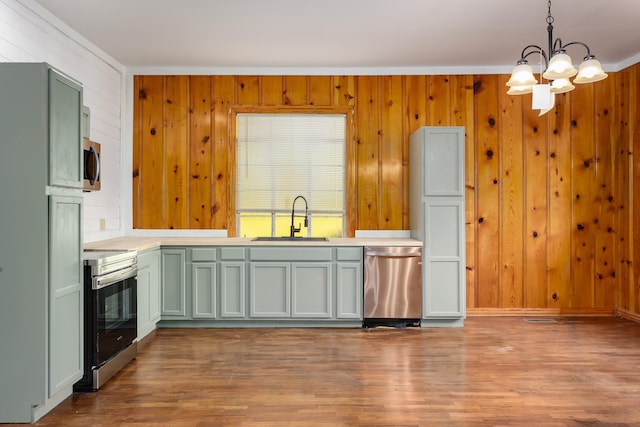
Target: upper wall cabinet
x,y
65,134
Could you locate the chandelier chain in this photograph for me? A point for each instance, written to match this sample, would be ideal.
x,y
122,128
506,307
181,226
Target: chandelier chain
x,y
549,17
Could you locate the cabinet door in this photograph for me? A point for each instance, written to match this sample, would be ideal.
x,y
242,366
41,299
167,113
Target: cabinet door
x,y
443,161
311,290
65,292
174,289
349,288
270,289
311,286
444,258
65,141
232,290
203,286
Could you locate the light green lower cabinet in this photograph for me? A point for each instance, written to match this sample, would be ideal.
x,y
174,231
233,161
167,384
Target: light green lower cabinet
x,y
174,284
65,293
311,290
256,286
203,283
349,290
233,295
149,299
270,289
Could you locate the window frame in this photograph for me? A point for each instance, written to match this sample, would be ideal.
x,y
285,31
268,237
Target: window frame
x,y
350,157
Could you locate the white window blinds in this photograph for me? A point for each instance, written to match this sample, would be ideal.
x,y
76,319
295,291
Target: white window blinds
x,y
281,156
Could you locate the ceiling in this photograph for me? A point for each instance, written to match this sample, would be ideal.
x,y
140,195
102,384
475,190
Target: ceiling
x,y
375,34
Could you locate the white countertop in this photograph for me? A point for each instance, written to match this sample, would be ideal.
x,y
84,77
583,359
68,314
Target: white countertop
x,y
143,243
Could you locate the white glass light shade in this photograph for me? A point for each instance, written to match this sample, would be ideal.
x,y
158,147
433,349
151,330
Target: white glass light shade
x,y
561,86
590,71
520,90
522,75
560,67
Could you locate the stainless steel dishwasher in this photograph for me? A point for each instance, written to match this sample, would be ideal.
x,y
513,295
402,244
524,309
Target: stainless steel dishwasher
x,y
392,286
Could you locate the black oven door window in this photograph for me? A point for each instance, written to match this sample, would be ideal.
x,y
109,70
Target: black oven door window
x,y
117,320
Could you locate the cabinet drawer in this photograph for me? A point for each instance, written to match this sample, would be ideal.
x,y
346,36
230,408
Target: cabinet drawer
x,y
291,254
349,254
232,253
203,254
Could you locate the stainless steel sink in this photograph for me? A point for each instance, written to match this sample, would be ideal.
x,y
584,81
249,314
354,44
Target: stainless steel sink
x,y
290,239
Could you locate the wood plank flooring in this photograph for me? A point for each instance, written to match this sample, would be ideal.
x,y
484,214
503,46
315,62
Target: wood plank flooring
x,y
493,372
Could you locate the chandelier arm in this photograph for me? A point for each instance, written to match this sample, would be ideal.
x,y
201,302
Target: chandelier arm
x,y
588,56
538,49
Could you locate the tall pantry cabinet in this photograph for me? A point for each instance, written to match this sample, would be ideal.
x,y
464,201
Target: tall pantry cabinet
x,y
436,200
40,240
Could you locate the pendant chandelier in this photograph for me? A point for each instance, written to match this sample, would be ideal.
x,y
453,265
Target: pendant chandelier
x,y
558,68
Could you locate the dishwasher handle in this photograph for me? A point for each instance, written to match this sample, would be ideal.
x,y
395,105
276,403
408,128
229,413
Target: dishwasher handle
x,y
393,254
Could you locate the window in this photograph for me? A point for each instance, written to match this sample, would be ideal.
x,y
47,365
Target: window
x,y
282,156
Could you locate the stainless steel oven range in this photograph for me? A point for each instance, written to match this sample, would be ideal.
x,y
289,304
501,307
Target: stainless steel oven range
x,y
110,315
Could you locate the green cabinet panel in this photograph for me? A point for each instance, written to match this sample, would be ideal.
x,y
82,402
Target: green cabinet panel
x,y
270,289
290,253
148,282
174,285
349,290
311,290
65,117
233,300
66,292
203,286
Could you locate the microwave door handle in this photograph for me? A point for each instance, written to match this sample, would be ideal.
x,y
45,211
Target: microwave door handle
x,y
96,160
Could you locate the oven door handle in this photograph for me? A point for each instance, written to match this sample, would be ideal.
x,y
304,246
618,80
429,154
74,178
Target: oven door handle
x,y
99,282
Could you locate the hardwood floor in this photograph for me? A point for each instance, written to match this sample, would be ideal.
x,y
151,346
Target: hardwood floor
x,y
494,371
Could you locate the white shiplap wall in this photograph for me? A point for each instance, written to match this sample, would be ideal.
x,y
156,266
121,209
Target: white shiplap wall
x,y
29,33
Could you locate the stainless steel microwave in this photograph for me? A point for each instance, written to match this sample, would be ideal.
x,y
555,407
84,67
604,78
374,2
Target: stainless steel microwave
x,y
91,167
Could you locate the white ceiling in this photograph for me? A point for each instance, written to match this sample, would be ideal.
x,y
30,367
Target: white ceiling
x,y
375,34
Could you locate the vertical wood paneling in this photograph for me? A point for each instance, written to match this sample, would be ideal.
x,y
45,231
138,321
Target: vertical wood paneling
x,y
200,153
605,238
176,123
137,209
271,90
487,191
536,185
151,161
319,90
512,205
223,96
248,91
549,200
634,115
585,216
438,101
463,115
295,90
392,150
559,256
344,90
415,101
368,152
633,140
624,191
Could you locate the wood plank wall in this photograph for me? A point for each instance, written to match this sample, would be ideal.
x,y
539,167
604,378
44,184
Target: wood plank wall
x,y
549,208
